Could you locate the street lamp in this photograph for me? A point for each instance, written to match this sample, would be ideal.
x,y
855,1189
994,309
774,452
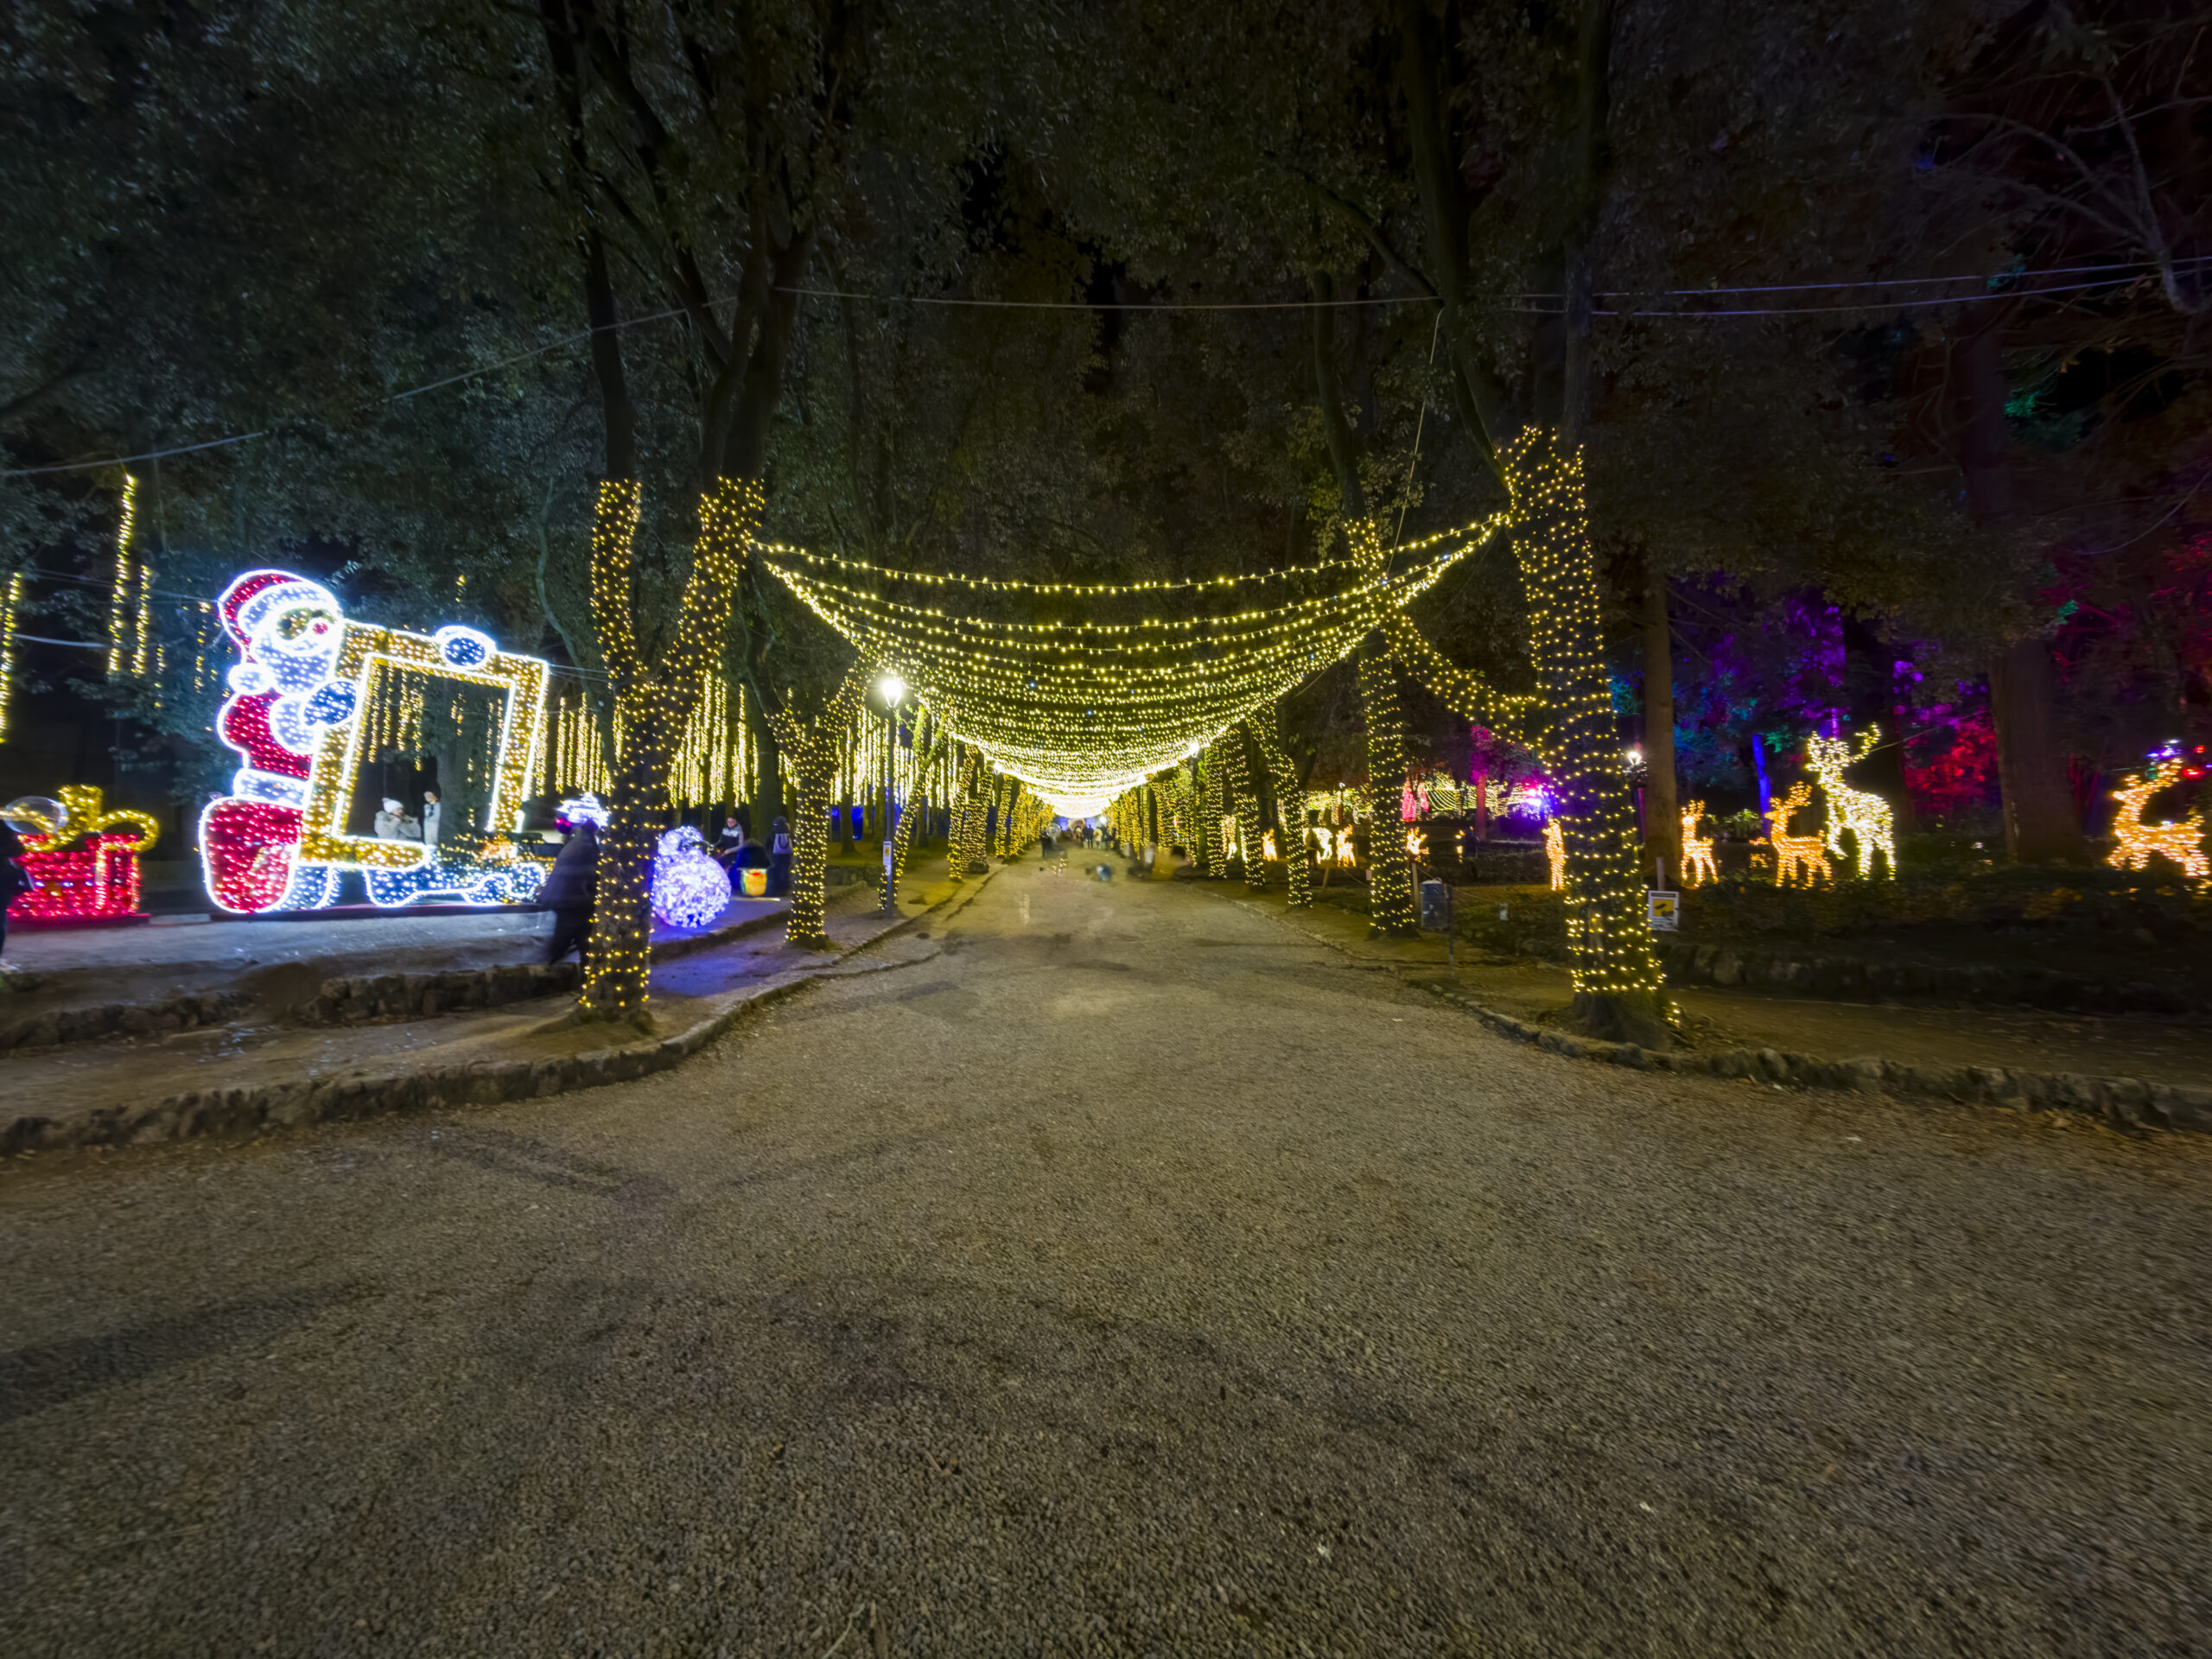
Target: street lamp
x,y
891,690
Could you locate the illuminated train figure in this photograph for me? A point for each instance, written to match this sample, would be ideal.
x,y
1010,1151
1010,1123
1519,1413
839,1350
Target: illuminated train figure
x,y
278,841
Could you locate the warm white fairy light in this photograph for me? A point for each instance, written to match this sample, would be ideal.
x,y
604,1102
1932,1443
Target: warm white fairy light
x,y
1090,707
118,600
12,602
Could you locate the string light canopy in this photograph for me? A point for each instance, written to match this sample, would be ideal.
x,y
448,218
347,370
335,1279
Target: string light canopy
x,y
1080,707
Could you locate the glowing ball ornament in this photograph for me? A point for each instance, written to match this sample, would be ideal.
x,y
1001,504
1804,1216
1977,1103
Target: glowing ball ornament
x,y
689,888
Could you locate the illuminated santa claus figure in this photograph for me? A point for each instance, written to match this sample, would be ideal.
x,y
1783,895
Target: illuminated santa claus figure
x,y
288,631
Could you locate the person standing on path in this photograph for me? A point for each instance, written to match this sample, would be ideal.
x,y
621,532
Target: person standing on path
x,y
430,817
15,880
570,887
780,859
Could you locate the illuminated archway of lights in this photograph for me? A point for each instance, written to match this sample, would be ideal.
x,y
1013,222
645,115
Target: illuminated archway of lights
x,y
1081,710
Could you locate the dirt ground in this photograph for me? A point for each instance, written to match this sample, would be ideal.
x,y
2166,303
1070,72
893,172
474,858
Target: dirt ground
x,y
1134,1276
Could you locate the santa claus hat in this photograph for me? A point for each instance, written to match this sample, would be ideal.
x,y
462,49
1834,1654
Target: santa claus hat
x,y
267,587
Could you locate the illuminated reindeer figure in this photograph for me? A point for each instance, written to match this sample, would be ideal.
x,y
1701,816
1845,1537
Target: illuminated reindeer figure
x,y
1800,853
1867,816
1697,855
2137,841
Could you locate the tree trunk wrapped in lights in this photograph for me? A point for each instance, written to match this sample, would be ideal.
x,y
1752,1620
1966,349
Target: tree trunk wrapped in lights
x,y
1189,810
902,837
1662,812
1247,799
1617,978
650,711
1213,810
1290,814
813,751
963,834
1389,870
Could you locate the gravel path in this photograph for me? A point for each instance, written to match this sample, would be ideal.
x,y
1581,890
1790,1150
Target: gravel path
x,y
1133,1277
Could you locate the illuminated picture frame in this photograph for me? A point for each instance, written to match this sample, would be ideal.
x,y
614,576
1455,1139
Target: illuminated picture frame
x,y
454,653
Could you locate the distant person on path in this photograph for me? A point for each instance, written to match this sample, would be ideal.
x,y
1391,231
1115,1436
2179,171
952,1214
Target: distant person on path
x,y
570,887
430,812
780,859
1045,848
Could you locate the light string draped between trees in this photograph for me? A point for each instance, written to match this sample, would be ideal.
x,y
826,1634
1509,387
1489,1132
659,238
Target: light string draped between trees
x,y
1082,709
1088,712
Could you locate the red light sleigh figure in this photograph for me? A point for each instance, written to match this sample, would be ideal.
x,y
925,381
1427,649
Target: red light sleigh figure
x,y
83,862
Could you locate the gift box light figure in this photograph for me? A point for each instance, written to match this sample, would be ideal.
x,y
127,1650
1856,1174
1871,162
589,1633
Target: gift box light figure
x,y
82,860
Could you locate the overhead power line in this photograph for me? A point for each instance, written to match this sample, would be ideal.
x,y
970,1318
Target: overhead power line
x,y
2109,274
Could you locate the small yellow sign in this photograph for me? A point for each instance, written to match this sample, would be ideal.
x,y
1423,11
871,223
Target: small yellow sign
x,y
1663,911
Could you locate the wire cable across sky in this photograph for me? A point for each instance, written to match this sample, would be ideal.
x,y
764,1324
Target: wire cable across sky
x,y
2112,275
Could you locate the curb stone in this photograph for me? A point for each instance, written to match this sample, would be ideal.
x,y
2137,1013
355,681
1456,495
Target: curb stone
x,y
186,1012
2124,1103
346,1001
1689,962
256,1108
366,999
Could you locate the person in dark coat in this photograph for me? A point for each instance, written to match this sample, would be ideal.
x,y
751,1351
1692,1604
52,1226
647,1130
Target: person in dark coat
x,y
780,859
570,887
15,880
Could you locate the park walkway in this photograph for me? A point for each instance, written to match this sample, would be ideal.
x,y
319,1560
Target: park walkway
x,y
1133,1274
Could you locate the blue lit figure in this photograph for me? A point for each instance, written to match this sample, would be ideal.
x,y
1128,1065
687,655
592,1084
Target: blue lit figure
x,y
1758,764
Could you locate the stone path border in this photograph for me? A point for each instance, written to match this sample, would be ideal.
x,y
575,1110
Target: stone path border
x,y
261,1108
362,998
2125,1103
187,1011
345,1000
1689,963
